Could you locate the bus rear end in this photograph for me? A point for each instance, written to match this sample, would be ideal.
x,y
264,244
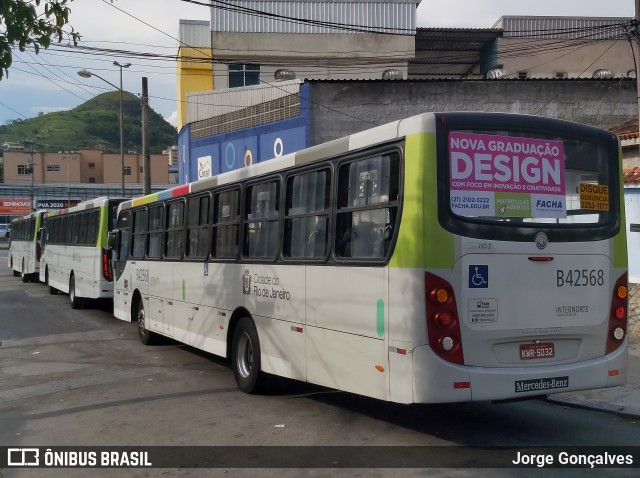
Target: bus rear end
x,y
534,300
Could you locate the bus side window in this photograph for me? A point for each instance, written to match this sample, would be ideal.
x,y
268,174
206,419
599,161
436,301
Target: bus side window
x,y
368,191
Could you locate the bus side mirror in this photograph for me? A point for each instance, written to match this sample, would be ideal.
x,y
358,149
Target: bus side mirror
x,y
112,240
113,244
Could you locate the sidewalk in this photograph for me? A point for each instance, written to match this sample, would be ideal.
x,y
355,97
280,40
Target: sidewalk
x,y
622,400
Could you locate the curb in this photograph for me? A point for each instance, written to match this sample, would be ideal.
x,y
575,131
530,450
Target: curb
x,y
620,410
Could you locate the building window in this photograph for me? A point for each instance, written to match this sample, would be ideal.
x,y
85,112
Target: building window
x,y
92,165
92,180
52,168
243,74
127,170
23,169
141,170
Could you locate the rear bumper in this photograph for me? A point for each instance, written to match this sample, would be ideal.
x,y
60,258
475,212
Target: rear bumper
x,y
435,380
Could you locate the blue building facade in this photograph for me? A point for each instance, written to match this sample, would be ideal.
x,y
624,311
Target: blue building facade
x,y
205,157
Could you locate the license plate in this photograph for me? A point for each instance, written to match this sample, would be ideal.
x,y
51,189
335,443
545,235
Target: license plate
x,y
537,351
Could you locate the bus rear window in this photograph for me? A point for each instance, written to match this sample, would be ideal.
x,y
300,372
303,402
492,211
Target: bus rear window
x,y
529,178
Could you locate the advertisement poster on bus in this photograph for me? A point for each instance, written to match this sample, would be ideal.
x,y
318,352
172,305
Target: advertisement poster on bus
x,y
493,175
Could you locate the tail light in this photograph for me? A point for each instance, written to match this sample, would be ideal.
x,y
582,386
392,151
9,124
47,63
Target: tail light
x,y
106,266
443,326
619,315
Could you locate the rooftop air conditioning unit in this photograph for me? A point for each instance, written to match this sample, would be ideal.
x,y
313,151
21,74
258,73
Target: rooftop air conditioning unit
x,y
602,74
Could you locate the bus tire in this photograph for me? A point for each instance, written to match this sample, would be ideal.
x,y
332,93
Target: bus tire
x,y
146,336
52,290
245,357
74,300
24,276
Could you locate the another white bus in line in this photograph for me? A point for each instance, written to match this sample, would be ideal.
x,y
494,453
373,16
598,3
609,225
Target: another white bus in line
x,y
24,248
75,256
441,258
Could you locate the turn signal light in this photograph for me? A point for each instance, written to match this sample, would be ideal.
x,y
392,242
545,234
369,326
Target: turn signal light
x,y
442,296
622,292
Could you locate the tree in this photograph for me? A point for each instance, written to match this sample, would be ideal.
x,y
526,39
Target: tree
x,y
22,25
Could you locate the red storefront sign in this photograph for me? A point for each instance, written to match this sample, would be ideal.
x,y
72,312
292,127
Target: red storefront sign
x,y
15,206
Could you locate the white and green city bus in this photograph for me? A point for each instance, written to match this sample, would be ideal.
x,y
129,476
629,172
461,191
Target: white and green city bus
x,y
24,249
75,256
440,258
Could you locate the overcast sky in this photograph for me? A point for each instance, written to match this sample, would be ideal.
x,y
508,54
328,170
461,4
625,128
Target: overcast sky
x,y
49,81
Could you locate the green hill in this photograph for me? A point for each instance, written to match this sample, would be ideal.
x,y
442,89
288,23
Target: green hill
x,y
94,124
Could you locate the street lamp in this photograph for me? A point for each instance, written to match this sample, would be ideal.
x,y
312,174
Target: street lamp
x,y
89,74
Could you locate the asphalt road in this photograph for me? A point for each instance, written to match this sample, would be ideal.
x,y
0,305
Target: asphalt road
x,y
82,378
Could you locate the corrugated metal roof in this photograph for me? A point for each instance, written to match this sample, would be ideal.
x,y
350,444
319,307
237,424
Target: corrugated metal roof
x,y
595,28
195,33
388,16
210,104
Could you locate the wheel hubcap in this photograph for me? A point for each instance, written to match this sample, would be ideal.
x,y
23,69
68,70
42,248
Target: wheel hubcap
x,y
141,329
244,355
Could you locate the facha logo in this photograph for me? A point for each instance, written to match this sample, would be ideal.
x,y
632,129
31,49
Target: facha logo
x,y
246,282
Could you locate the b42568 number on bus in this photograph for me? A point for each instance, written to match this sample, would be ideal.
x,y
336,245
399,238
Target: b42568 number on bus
x,y
580,277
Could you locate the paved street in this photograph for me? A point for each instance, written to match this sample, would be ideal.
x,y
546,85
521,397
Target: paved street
x,y
81,377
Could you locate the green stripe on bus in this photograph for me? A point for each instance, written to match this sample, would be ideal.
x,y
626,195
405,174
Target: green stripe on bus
x,y
620,258
380,318
421,241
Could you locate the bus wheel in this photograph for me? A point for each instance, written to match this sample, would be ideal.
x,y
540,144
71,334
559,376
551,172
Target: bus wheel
x,y
146,336
245,357
75,301
25,277
52,290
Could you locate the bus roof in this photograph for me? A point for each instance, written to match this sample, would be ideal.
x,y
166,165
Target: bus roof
x,y
380,134
83,206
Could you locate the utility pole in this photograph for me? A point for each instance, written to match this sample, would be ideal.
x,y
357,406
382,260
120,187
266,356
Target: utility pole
x,y
146,134
637,62
29,144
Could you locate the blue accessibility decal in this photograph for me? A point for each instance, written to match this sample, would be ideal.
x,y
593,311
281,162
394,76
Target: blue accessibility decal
x,y
478,277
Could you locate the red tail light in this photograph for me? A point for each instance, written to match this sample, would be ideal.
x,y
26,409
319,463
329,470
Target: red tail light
x,y
443,326
106,266
619,316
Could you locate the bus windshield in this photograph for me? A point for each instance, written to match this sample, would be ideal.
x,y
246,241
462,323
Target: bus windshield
x,y
530,179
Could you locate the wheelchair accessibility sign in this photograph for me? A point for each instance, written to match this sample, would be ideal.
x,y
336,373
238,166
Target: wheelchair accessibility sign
x,y
478,276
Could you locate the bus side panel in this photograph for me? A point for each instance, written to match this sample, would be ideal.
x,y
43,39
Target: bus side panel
x,y
161,302
188,318
282,347
275,296
347,362
407,329
346,330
